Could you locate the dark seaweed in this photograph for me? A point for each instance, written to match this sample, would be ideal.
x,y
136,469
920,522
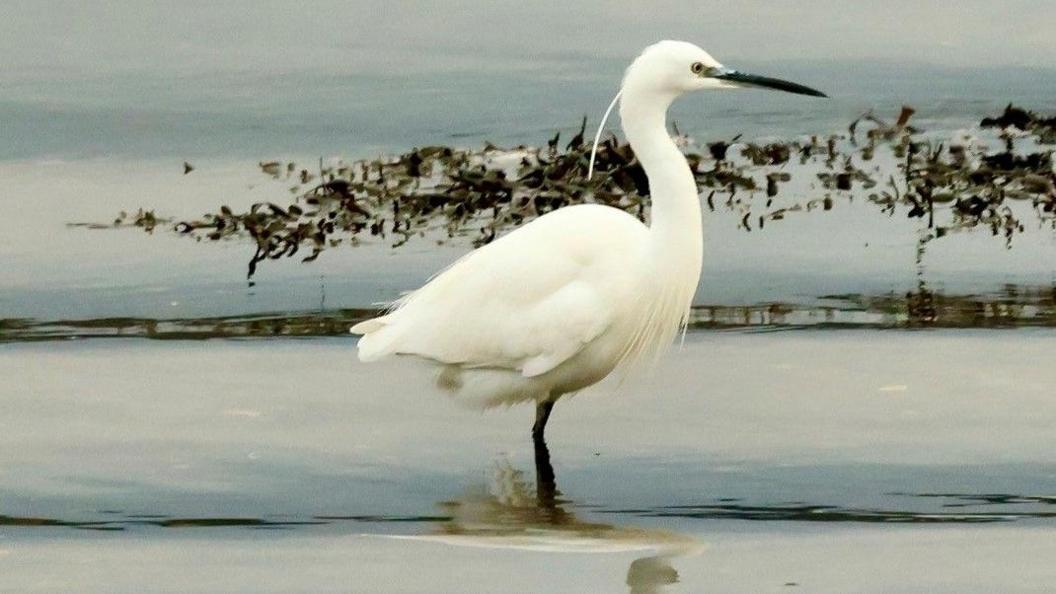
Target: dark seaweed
x,y
446,193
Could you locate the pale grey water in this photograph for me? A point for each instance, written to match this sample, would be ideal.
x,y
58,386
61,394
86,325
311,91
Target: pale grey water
x,y
82,148
748,462
259,115
86,136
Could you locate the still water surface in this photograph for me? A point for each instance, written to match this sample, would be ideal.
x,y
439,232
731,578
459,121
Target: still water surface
x,y
872,461
83,148
820,461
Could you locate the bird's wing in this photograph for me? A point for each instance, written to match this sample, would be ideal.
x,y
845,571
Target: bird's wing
x,y
528,301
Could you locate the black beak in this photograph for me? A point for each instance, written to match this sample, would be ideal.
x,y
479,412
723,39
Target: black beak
x,y
765,82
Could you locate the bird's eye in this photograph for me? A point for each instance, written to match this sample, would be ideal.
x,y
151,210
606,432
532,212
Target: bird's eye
x,y
698,68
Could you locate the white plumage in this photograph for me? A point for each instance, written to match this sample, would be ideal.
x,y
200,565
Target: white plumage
x,y
556,305
497,306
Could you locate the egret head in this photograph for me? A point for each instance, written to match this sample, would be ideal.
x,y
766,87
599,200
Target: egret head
x,y
668,69
675,67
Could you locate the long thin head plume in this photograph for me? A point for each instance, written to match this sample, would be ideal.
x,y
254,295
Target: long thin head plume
x,y
597,137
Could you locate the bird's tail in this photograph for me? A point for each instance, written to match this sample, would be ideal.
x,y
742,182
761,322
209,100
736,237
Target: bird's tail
x,y
376,338
367,326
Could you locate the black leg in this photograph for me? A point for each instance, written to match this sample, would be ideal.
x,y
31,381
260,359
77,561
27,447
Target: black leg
x,y
542,415
545,481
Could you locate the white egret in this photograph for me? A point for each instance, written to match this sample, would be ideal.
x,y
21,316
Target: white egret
x,y
558,304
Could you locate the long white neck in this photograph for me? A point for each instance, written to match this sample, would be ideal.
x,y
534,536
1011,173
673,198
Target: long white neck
x,y
674,253
676,234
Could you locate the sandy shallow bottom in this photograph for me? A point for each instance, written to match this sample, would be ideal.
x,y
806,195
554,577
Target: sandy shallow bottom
x,y
794,559
814,461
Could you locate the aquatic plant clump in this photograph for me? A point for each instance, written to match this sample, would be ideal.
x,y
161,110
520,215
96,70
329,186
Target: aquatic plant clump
x,y
444,193
1011,307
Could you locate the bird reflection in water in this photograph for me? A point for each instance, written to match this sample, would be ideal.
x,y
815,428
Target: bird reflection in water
x,y
507,514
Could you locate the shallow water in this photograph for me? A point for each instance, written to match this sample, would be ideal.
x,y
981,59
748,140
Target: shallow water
x,y
872,461
83,148
54,272
820,460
